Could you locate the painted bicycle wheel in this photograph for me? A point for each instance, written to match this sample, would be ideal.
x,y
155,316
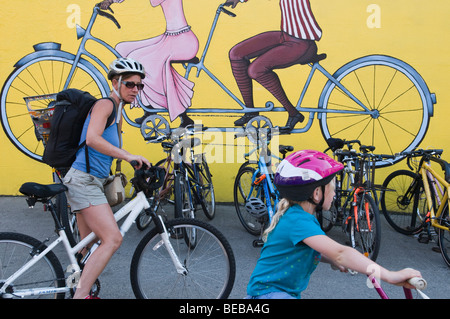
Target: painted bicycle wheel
x,y
30,90
398,100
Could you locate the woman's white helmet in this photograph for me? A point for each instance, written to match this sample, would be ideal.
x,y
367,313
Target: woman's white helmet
x,y
125,65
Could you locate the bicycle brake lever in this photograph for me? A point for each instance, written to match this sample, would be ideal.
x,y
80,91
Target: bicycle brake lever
x,y
231,14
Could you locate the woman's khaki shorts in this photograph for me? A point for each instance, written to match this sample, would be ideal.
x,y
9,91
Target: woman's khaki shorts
x,y
84,190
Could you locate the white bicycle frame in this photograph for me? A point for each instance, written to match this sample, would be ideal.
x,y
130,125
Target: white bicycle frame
x,y
132,209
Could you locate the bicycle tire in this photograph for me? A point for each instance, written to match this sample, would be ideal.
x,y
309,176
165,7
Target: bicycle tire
x,y
41,75
366,236
326,218
206,190
398,207
144,218
362,78
184,206
444,235
19,249
241,189
211,264
68,219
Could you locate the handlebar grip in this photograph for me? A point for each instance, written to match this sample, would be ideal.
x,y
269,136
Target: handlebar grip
x,y
418,283
134,163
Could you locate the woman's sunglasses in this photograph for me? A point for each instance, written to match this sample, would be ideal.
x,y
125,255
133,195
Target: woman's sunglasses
x,y
131,85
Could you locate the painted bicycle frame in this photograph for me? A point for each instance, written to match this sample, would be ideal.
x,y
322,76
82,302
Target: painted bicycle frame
x,y
91,64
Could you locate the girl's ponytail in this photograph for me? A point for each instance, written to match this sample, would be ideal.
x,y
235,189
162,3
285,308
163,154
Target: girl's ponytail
x,y
283,206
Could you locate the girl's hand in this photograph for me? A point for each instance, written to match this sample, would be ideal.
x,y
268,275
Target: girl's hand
x,y
401,277
338,267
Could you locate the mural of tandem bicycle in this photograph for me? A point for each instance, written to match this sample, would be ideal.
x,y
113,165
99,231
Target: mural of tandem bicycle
x,y
378,99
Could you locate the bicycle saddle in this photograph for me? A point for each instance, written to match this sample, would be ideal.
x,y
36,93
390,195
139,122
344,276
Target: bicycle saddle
x,y
315,59
283,149
193,60
190,142
42,191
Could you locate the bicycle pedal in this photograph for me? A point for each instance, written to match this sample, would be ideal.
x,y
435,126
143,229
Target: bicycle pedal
x,y
258,243
423,238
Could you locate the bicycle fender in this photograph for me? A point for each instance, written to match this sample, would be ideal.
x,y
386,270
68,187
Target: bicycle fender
x,y
41,49
53,49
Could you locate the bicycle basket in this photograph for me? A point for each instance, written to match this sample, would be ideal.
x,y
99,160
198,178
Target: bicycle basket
x,y
41,117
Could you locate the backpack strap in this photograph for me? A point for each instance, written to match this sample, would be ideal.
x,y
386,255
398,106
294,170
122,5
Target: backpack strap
x,y
109,121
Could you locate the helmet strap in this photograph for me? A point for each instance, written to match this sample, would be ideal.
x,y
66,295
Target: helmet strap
x,y
318,206
119,111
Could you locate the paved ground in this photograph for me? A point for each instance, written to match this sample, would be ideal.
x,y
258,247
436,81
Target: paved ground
x,y
397,251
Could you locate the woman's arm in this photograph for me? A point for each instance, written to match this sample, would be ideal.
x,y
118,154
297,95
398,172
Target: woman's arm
x,y
347,257
99,117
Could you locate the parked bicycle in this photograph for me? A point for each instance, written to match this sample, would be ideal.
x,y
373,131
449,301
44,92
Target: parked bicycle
x,y
188,180
355,208
369,92
255,195
183,258
416,201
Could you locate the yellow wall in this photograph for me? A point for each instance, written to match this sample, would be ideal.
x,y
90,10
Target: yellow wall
x,y
412,30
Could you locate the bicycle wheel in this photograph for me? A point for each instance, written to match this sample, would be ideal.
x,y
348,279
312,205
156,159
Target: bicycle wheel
x,y
365,232
398,96
206,189
211,267
41,76
184,206
398,202
242,191
326,218
444,235
144,218
18,249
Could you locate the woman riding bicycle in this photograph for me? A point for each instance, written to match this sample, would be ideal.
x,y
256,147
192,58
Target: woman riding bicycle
x,y
85,181
295,243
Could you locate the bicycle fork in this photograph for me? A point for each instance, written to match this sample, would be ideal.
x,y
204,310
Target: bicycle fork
x,y
162,230
355,206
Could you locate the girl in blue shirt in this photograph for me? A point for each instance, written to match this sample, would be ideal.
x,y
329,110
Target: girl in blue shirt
x,y
295,243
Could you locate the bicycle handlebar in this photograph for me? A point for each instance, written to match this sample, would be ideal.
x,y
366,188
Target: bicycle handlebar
x,y
107,15
418,283
421,152
146,178
336,143
431,153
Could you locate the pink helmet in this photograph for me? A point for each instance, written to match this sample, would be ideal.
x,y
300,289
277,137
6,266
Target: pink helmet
x,y
301,172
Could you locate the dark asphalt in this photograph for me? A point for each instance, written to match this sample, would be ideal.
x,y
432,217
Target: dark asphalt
x,y
397,251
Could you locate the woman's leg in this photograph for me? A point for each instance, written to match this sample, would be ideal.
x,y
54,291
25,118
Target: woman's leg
x,y
100,220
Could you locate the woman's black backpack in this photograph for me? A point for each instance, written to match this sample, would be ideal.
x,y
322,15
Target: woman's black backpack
x,y
71,109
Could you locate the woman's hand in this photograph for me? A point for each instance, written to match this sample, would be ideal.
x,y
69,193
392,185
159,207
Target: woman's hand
x,y
138,158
